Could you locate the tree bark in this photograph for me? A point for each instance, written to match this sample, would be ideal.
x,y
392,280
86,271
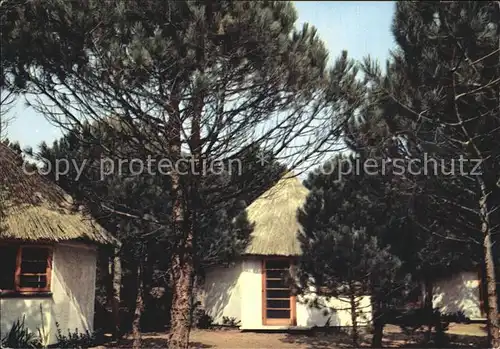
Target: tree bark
x,y
139,307
105,268
185,216
428,308
354,318
116,296
491,310
491,286
378,324
182,269
484,215
182,264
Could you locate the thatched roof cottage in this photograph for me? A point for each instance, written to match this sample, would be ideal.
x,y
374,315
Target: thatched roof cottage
x,y
48,253
253,290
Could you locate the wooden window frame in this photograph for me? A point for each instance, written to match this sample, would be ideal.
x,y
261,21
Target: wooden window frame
x,y
292,321
18,290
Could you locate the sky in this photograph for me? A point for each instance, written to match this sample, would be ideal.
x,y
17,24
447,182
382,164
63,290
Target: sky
x,y
360,27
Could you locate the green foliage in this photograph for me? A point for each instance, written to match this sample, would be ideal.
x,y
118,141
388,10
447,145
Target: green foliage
x,y
137,208
20,336
230,321
218,80
439,96
413,110
413,321
247,52
200,318
204,321
457,317
346,219
345,214
43,334
75,340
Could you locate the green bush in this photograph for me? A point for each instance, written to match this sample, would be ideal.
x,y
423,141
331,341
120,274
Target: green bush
x,y
202,319
199,317
20,336
230,321
75,340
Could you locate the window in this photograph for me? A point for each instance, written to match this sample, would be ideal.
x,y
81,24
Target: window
x,y
25,269
278,302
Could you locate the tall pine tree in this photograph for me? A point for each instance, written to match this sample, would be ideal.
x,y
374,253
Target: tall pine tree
x,y
343,255
215,79
142,200
441,97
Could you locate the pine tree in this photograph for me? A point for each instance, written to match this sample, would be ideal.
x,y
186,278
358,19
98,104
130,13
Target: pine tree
x,y
342,253
429,243
441,96
143,200
215,78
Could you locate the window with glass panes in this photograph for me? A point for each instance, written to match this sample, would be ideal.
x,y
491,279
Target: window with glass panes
x,y
25,268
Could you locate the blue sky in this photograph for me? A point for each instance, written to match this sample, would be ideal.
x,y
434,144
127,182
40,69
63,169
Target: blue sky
x,y
361,28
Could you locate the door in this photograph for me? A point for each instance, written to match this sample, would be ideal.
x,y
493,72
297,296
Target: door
x,y
278,306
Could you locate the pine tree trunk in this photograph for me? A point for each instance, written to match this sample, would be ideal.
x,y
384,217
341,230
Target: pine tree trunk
x,y
182,273
139,307
491,286
378,324
116,298
491,310
181,304
185,217
428,308
182,269
104,269
354,318
182,263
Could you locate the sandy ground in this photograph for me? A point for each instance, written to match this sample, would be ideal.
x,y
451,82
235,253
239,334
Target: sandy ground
x,y
226,339
461,335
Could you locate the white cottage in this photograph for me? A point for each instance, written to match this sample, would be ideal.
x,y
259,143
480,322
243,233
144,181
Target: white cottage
x,y
48,254
461,292
252,291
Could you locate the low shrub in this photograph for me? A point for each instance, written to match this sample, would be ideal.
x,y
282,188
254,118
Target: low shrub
x,y
20,336
202,319
75,340
230,321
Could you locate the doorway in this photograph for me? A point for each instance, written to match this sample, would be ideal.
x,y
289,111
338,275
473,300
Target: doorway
x,y
278,304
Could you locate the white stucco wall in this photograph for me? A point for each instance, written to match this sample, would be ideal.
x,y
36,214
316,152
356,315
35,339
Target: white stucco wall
x,y
337,309
237,292
221,295
458,293
73,293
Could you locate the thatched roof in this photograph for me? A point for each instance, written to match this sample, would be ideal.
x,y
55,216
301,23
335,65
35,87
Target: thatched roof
x,y
274,216
35,209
